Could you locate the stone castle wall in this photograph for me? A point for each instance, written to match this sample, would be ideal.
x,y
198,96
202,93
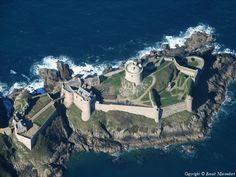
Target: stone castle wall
x,y
29,142
68,97
188,71
193,73
148,112
84,105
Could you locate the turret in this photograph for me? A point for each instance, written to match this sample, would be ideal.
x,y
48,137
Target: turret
x,y
133,72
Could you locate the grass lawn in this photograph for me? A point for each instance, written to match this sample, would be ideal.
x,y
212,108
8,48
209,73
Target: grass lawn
x,y
111,85
113,120
180,80
74,115
164,74
178,118
42,118
166,101
38,104
125,121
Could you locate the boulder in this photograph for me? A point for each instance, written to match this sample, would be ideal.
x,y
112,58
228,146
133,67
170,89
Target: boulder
x,y
64,70
50,76
197,40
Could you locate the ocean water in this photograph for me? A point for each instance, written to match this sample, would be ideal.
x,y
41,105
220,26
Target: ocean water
x,y
92,34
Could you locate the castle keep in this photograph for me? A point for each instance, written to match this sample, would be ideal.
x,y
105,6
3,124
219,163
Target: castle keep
x,y
133,72
83,99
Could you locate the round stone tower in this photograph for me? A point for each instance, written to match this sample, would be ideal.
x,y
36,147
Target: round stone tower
x,y
86,109
133,72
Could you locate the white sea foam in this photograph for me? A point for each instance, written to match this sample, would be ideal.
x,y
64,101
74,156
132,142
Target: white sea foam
x,y
176,40
85,69
183,36
12,71
90,69
219,49
3,88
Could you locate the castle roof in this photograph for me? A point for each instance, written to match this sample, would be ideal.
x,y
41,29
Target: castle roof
x,y
134,68
84,93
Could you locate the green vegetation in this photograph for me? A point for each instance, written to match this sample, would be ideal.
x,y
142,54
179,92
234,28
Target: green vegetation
x,y
125,121
192,63
189,86
6,149
42,118
181,79
38,104
6,152
182,87
168,99
110,86
113,120
183,117
74,115
164,74
19,105
127,91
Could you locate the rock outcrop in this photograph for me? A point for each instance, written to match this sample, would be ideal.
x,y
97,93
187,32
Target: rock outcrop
x,y
52,77
64,71
197,40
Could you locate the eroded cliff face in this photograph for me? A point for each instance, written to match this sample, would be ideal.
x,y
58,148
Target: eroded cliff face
x,y
211,92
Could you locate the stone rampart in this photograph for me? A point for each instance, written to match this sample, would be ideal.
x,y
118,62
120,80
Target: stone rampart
x,y
172,109
144,111
29,142
185,70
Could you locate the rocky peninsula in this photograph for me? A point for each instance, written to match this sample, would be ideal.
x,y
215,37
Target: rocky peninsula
x,y
117,131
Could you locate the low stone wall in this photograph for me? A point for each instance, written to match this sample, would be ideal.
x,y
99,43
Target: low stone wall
x,y
113,72
188,71
148,112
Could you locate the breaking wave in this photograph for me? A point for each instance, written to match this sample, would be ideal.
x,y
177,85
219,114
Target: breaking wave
x,y
97,68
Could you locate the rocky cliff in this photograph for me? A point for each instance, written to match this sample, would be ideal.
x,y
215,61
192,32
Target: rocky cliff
x,y
52,77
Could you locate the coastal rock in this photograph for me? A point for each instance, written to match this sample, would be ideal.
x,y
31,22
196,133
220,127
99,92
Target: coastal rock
x,y
64,71
197,40
50,76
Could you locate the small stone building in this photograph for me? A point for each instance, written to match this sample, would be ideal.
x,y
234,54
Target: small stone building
x,y
133,72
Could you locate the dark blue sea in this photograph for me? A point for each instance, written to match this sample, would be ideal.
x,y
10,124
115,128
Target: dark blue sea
x,y
92,34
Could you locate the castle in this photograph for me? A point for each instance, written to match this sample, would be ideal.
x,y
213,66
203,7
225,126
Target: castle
x,y
83,99
86,101
75,91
